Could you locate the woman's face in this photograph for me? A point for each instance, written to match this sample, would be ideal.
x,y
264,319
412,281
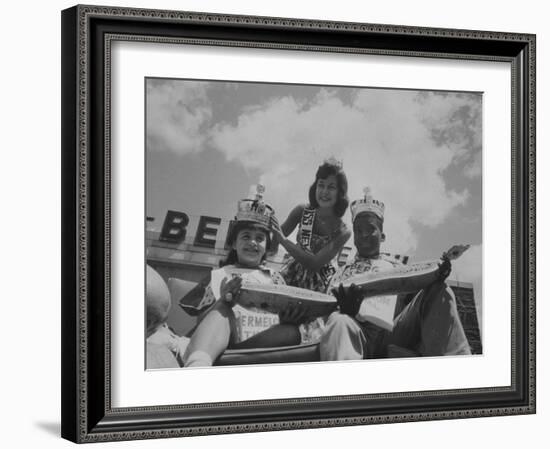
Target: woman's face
x,y
250,246
326,192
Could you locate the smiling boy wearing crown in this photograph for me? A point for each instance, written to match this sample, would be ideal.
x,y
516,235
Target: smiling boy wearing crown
x,y
224,323
428,325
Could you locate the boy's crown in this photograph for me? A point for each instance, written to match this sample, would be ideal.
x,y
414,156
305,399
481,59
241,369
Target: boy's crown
x,y
367,204
255,209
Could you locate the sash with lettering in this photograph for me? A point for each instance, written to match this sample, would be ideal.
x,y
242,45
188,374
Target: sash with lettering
x,y
306,228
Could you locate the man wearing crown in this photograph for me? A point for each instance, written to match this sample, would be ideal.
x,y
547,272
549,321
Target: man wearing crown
x,y
428,325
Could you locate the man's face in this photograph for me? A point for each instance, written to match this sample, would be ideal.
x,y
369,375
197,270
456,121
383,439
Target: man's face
x,y
367,234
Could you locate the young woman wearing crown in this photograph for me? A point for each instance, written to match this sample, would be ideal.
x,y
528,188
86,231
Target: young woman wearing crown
x,y
321,232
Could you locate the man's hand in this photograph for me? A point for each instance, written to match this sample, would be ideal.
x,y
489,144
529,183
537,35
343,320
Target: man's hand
x,y
294,314
444,268
348,299
229,290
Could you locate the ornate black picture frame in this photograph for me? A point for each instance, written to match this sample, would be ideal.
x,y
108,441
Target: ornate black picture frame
x,y
87,34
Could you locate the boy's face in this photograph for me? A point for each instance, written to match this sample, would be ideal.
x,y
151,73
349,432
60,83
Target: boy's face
x,y
367,234
250,246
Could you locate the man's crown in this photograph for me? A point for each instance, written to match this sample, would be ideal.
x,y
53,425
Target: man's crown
x,y
367,204
255,209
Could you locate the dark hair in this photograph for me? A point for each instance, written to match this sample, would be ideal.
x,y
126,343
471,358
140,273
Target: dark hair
x,y
239,226
323,172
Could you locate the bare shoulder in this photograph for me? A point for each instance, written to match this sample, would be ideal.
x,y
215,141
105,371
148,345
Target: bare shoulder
x,y
296,213
294,217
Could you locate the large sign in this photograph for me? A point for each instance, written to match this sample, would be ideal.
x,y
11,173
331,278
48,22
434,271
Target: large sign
x,y
204,231
175,229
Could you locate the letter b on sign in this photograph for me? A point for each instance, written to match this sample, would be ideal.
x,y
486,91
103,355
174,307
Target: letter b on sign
x,y
174,228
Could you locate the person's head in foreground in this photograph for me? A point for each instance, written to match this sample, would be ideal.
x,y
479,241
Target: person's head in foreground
x,y
368,225
157,300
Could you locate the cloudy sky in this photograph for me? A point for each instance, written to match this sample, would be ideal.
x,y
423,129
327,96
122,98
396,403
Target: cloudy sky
x,y
418,151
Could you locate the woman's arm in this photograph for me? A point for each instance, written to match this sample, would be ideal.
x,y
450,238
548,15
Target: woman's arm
x,y
287,227
310,261
292,220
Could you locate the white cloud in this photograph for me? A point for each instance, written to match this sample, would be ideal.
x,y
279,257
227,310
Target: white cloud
x,y
456,120
384,138
176,115
474,168
467,268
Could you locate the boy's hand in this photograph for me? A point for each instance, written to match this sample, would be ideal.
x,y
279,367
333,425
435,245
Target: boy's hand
x,y
229,290
348,299
294,314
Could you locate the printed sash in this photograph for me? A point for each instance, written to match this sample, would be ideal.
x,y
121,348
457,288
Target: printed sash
x,y
306,232
306,228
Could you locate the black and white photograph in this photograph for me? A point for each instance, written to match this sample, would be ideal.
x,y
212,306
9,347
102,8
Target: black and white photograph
x,y
301,220
310,223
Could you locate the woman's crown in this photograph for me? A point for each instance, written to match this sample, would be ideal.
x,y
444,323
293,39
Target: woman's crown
x,y
335,162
